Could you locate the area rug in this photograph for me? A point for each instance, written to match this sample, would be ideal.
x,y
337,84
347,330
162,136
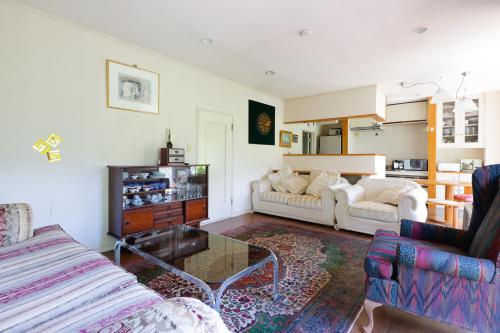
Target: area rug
x,y
321,282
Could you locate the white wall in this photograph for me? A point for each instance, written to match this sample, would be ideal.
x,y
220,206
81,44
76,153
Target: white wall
x,y
372,164
492,151
53,81
369,100
395,141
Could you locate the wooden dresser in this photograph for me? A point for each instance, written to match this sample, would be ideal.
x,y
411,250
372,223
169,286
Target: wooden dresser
x,y
167,195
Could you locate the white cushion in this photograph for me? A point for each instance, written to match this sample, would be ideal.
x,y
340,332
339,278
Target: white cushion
x,y
316,172
320,183
305,201
276,197
275,180
391,195
286,171
374,211
295,184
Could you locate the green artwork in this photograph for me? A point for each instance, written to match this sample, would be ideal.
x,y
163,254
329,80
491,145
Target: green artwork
x,y
260,123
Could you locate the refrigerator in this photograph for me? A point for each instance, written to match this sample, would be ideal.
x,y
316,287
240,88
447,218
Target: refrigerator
x,y
330,144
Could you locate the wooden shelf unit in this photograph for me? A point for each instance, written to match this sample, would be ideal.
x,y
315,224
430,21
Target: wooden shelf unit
x,y
176,207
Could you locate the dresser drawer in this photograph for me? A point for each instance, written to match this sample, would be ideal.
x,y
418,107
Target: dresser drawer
x,y
176,151
168,206
169,221
176,159
137,220
163,214
196,210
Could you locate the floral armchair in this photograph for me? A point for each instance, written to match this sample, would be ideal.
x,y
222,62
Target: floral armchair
x,y
445,274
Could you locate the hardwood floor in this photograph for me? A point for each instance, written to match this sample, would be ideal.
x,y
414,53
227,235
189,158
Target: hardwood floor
x,y
387,319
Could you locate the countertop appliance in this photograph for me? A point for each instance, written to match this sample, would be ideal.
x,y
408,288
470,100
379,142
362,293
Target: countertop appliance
x,y
397,165
330,144
415,164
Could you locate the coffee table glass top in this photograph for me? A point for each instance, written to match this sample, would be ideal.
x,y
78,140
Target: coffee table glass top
x,y
207,256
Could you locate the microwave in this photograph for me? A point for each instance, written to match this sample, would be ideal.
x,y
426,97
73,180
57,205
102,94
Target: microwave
x,y
415,164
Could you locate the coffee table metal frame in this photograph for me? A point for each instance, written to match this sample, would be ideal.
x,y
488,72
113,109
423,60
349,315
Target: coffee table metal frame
x,y
214,298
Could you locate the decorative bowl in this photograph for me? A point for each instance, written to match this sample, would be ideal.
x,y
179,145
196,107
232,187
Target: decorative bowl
x,y
146,188
133,189
134,176
143,175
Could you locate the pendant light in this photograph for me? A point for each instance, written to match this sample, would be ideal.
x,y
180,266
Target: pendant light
x,y
439,96
464,104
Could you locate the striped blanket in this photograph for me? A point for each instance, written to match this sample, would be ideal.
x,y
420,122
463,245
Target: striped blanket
x,y
51,283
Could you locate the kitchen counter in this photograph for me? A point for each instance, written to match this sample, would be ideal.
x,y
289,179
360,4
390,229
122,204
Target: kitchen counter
x,y
406,172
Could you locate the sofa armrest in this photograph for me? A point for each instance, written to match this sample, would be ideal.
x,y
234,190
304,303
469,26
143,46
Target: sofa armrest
x,y
350,194
430,259
263,185
436,234
413,199
329,193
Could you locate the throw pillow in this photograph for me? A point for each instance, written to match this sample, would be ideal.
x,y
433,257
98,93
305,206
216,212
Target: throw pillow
x,y
275,180
286,171
15,223
486,242
320,183
316,172
295,184
391,195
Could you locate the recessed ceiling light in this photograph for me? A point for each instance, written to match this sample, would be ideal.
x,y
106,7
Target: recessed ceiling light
x,y
206,41
270,73
420,30
305,32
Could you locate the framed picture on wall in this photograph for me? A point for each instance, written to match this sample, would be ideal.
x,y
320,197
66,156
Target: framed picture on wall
x,y
260,123
285,139
295,138
131,88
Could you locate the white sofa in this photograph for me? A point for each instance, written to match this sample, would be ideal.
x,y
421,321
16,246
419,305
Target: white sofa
x,y
301,207
355,211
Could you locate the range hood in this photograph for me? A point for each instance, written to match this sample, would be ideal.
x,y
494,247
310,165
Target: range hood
x,y
376,126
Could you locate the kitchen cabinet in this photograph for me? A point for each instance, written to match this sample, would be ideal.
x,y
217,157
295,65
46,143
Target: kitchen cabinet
x,y
406,112
460,129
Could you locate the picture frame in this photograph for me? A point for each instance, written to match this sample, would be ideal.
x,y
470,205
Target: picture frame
x,y
131,88
285,139
261,123
295,138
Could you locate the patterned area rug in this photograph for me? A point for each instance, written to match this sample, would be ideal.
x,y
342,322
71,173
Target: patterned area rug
x,y
321,282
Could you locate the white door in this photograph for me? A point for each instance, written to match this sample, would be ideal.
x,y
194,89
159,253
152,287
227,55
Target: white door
x,y
215,147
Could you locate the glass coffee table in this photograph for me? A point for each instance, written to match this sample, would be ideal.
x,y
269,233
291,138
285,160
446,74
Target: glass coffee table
x,y
200,257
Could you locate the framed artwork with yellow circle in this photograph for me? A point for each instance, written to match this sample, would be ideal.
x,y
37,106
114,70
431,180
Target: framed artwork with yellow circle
x,y
261,123
285,139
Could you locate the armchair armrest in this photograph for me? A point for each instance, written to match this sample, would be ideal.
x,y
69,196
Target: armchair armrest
x,y
427,258
413,199
329,193
350,194
263,185
436,234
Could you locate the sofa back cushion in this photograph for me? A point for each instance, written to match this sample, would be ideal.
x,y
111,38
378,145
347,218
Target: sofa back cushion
x,y
485,188
374,187
486,242
15,223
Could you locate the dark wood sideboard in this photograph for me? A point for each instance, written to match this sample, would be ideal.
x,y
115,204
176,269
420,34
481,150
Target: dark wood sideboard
x,y
183,190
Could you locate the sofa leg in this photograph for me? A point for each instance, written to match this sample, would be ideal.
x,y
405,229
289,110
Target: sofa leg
x,y
369,307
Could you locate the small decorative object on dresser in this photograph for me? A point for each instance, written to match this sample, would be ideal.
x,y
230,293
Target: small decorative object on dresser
x,y
169,139
285,139
172,156
167,196
131,88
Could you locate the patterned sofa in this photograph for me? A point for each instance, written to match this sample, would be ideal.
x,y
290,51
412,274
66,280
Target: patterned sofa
x,y
445,274
51,283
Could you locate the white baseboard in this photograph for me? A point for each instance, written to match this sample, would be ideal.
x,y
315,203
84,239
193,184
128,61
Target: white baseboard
x,y
233,214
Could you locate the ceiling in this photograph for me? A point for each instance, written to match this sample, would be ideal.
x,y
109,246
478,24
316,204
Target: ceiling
x,y
353,43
